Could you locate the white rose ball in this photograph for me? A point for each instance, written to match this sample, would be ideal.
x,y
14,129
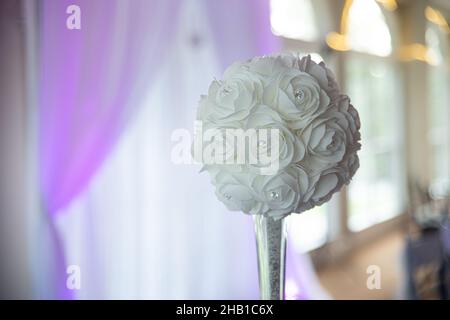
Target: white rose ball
x,y
318,134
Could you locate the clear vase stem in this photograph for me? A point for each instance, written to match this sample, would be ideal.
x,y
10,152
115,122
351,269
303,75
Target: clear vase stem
x,y
271,249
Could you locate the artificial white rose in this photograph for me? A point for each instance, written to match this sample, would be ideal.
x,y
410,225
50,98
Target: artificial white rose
x,y
332,136
328,182
280,194
297,96
218,147
349,165
232,190
342,106
322,74
268,67
231,99
326,143
343,109
290,149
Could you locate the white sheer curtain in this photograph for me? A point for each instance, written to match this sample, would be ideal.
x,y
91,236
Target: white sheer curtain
x,y
88,81
149,229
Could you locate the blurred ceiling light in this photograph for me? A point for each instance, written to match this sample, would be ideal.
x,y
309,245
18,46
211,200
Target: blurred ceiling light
x,y
429,53
390,5
416,52
436,17
293,19
363,28
367,29
339,41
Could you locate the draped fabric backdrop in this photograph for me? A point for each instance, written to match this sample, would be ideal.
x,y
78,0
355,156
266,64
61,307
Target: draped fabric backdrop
x,y
111,94
90,82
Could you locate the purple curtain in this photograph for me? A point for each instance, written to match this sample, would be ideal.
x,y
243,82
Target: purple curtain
x,y
90,81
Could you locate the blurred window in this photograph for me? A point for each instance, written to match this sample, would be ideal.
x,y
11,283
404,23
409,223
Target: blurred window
x,y
367,28
293,19
309,230
376,192
439,113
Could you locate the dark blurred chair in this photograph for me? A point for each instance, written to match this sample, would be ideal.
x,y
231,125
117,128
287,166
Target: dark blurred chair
x,y
427,250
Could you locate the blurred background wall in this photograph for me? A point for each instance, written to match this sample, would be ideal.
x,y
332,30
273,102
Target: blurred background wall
x,y
14,274
87,115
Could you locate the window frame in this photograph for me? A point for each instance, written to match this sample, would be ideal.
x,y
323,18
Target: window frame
x,y
401,137
444,46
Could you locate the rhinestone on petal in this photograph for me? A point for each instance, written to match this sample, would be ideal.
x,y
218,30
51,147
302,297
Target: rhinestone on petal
x,y
299,94
274,195
226,90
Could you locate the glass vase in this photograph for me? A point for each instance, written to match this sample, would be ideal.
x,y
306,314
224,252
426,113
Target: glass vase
x,y
271,248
